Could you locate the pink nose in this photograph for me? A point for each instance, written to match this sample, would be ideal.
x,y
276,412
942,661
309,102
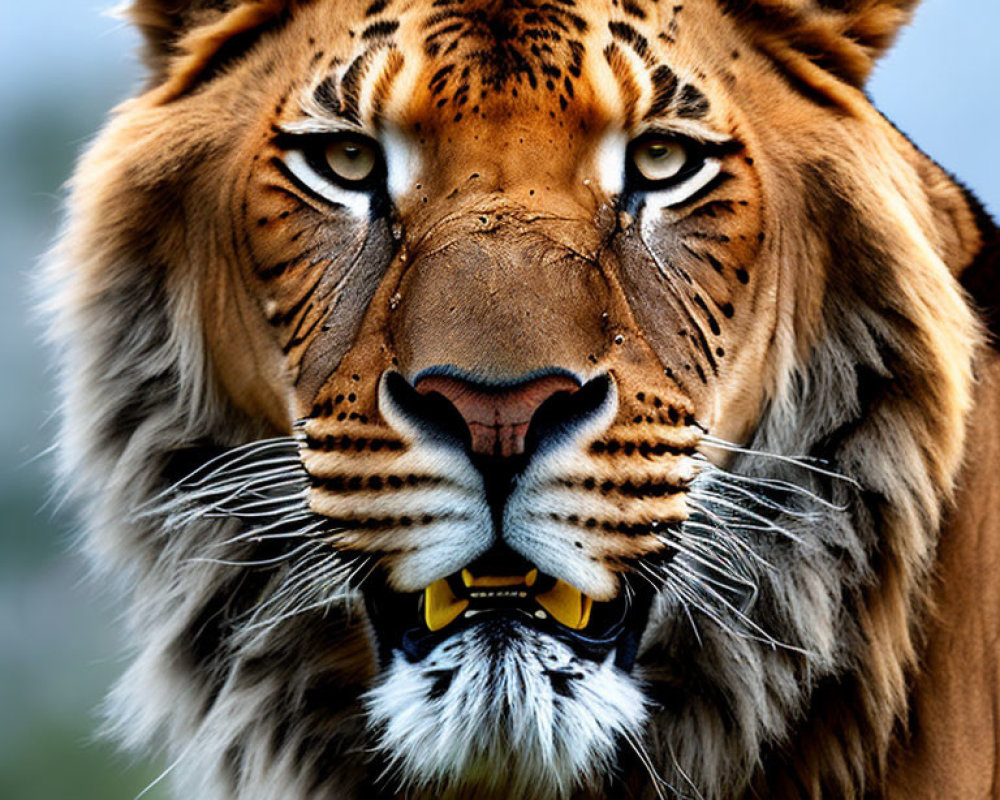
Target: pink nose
x,y
497,418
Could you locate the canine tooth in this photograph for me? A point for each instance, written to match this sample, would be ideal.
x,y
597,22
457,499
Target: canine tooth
x,y
567,604
540,614
441,607
522,594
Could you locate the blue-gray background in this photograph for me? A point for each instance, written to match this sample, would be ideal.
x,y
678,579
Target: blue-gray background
x,y
62,65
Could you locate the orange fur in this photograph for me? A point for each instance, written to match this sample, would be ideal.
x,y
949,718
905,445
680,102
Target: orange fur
x,y
501,260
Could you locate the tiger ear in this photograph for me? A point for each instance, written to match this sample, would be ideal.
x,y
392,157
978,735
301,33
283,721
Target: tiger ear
x,y
182,37
844,37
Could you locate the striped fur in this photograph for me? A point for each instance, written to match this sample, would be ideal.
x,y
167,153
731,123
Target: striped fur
x,y
788,352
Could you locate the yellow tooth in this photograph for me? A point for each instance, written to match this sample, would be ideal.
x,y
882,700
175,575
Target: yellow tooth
x,y
471,580
567,605
441,607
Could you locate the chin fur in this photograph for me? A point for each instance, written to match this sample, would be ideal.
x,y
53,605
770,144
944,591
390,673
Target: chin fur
x,y
506,707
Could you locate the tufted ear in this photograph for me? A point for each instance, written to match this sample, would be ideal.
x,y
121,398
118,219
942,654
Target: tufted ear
x,y
184,37
844,37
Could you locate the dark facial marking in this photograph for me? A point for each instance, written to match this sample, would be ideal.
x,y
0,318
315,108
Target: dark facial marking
x,y
441,683
693,104
622,70
350,87
381,29
326,97
664,90
625,33
519,42
377,7
633,9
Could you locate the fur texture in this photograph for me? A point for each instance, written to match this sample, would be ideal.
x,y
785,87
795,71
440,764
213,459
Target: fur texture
x,y
777,364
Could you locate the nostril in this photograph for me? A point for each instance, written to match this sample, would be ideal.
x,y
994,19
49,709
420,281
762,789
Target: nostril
x,y
433,412
498,418
563,411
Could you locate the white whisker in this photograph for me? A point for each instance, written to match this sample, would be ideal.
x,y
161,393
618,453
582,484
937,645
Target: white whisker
x,y
798,461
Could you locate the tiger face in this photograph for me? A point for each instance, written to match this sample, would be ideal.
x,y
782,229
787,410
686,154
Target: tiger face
x,y
507,399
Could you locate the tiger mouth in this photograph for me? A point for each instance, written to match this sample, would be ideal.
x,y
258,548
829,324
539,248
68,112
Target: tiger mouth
x,y
415,623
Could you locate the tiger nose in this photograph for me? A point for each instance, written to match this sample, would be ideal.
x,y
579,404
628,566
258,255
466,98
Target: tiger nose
x,y
497,417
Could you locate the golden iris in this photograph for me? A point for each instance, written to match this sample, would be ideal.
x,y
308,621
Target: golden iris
x,y
351,160
659,159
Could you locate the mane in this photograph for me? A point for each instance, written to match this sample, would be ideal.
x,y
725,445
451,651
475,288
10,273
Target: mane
x,y
800,650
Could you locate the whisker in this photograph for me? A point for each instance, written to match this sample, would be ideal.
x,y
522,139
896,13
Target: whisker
x,y
726,574
730,540
766,502
266,533
798,461
761,635
769,524
261,563
308,580
229,458
722,476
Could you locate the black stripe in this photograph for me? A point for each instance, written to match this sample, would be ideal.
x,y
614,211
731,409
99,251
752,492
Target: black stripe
x,y
692,104
624,32
376,7
280,165
380,30
664,90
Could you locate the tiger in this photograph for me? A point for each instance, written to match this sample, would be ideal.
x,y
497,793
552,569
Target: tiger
x,y
534,399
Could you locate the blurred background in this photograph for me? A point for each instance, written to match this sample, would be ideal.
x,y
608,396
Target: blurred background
x,y
62,65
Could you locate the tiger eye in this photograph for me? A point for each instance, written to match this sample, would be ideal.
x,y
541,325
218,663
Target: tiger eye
x,y
351,160
659,159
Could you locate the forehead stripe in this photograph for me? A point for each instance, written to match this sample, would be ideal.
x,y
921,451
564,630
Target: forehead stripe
x,y
381,29
633,9
626,34
377,8
664,83
621,67
392,67
693,104
326,97
350,87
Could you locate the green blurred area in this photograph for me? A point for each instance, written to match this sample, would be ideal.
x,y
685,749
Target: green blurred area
x,y
59,645
54,760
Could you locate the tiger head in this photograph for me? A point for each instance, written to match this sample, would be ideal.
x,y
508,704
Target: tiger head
x,y
515,399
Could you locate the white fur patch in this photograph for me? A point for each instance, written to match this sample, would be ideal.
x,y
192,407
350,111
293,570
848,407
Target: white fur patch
x,y
506,707
610,162
402,161
657,201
